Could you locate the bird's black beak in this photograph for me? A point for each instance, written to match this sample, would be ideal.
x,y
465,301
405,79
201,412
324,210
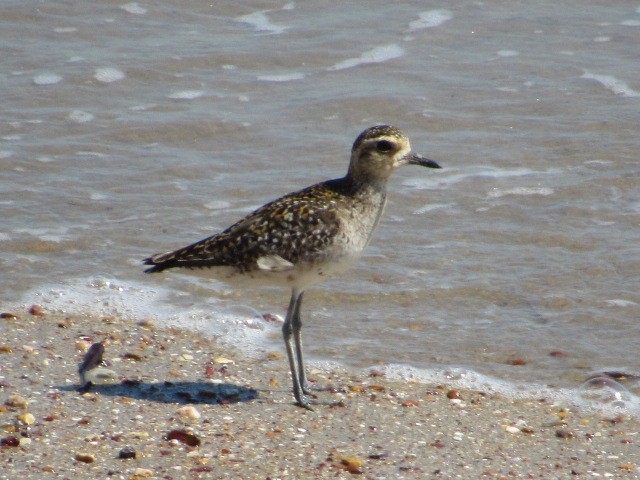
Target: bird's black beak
x,y
415,159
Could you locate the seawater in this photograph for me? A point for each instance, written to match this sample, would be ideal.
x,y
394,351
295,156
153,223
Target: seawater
x,y
134,128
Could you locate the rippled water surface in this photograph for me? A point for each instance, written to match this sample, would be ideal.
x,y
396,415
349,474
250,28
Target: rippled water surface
x,y
132,128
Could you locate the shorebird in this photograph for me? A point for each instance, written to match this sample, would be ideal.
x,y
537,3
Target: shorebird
x,y
304,237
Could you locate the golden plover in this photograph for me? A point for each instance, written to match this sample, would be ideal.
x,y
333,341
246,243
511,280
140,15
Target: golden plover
x,y
304,237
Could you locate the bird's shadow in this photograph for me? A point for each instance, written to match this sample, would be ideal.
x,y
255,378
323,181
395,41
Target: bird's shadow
x,y
172,392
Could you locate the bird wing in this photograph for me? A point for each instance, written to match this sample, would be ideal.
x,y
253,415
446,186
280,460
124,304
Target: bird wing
x,y
293,228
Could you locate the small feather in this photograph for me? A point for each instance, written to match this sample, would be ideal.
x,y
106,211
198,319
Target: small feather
x,y
274,263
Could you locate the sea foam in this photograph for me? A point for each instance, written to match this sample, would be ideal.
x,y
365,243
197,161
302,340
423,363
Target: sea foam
x,y
430,19
104,295
501,192
47,79
376,55
108,74
612,83
134,8
608,397
261,23
287,77
186,94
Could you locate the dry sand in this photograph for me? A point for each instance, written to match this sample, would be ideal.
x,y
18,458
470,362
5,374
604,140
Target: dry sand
x,y
184,406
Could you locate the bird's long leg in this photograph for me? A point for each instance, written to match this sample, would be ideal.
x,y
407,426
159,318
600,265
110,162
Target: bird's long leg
x,y
296,324
291,334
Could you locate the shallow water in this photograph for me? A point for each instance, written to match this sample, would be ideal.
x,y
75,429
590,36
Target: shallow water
x,y
129,129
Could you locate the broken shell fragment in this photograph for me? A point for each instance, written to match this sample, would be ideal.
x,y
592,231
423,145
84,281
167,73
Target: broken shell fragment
x,y
91,369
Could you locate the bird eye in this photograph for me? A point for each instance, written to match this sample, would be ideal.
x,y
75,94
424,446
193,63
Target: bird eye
x,y
384,146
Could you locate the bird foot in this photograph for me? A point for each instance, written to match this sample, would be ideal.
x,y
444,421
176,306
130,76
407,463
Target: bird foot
x,y
308,389
307,403
309,398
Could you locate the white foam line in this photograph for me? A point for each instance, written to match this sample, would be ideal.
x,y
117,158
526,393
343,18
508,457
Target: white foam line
x,y
430,19
134,8
287,77
105,295
108,74
612,83
261,22
499,192
186,94
610,398
441,181
376,55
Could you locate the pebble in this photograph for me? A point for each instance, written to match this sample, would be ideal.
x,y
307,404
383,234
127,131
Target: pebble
x,y
352,464
9,441
136,357
182,436
147,323
82,345
16,400
36,310
127,453
512,429
143,472
517,362
99,376
26,418
85,457
222,360
189,412
564,433
453,394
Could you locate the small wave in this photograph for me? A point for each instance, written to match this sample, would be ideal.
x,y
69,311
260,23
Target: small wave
x,y
108,74
376,55
288,77
47,79
501,192
620,302
430,19
65,29
186,94
598,393
80,116
261,23
442,182
105,295
507,53
134,8
612,83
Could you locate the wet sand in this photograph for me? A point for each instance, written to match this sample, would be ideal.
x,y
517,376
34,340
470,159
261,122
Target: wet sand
x,y
184,406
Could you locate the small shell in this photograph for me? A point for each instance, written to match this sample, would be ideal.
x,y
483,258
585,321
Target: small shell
x,y
189,412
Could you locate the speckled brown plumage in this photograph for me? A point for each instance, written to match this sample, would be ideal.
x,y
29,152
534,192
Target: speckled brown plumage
x,y
304,237
297,227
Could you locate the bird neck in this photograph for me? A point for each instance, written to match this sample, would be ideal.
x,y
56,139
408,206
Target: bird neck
x,y
361,179
358,185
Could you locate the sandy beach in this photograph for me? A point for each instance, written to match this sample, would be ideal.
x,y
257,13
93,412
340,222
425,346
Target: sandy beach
x,y
185,406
